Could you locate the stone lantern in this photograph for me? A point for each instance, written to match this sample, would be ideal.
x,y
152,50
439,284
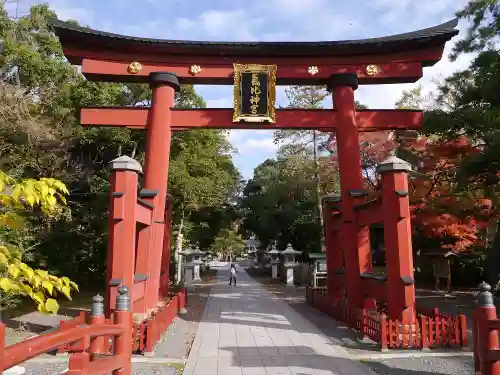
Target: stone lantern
x,y
275,261
319,270
252,256
197,262
192,264
289,263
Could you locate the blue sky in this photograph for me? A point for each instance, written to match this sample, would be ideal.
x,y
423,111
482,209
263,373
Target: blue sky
x,y
267,20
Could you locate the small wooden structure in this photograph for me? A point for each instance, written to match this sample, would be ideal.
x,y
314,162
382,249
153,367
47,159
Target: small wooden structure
x,y
318,269
441,266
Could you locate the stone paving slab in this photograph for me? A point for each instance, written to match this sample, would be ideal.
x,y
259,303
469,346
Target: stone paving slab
x,y
245,330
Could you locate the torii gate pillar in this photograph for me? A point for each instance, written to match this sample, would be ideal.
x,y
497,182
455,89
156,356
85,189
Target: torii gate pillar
x,y
355,240
159,133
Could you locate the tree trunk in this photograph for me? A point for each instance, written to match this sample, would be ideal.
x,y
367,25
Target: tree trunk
x,y
318,187
178,246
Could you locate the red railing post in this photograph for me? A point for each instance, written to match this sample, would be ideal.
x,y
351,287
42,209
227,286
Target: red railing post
x,y
2,342
487,338
463,330
383,332
123,343
424,339
363,323
97,345
151,330
78,363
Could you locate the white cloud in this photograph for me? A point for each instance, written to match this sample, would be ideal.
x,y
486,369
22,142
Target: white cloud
x,y
252,141
226,102
257,146
218,24
384,96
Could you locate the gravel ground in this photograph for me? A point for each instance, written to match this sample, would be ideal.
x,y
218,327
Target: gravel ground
x,y
423,366
137,369
177,341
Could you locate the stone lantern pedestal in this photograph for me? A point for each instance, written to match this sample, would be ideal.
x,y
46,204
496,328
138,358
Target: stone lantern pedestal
x,y
289,263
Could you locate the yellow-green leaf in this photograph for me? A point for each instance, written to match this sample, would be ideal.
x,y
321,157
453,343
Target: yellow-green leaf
x,y
6,284
44,274
66,290
48,286
41,308
36,281
30,199
14,271
51,305
66,280
3,259
74,286
27,289
51,200
38,297
28,273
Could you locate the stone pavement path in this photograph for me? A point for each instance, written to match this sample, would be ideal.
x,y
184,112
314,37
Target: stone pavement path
x,y
247,330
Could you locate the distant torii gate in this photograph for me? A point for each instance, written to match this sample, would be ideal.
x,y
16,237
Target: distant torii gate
x,y
341,65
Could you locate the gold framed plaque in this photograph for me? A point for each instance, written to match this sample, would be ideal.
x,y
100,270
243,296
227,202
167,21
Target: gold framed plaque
x,y
254,93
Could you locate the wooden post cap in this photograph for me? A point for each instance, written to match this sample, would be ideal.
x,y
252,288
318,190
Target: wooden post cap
x,y
125,163
393,164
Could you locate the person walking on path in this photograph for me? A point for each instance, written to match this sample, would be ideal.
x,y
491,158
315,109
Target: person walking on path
x,y
232,275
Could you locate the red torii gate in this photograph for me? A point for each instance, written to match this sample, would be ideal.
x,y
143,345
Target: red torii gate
x,y
341,65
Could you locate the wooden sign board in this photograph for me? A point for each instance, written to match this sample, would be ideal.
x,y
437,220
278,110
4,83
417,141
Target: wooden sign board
x,y
321,266
254,93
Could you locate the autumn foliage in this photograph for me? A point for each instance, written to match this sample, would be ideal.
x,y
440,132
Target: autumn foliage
x,y
439,209
454,219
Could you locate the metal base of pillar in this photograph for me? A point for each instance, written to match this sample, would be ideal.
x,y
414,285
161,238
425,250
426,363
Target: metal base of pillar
x,y
183,311
148,354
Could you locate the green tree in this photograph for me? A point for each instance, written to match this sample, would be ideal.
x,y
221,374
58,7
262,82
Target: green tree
x,y
228,244
484,28
40,136
307,97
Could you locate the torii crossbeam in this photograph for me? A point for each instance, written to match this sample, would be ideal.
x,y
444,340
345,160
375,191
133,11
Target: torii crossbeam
x,y
320,119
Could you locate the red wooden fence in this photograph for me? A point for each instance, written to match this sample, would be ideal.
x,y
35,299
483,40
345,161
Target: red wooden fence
x,y
90,339
431,329
145,334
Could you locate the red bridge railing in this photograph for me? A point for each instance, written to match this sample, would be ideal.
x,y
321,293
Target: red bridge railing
x,y
91,340
145,334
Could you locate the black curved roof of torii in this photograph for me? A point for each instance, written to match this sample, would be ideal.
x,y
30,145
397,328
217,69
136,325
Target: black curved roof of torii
x,y
69,33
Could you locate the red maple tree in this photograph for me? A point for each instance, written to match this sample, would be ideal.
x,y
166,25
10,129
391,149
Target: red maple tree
x,y
453,218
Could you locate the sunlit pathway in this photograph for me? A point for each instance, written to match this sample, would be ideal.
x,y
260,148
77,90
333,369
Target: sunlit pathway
x,y
245,330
